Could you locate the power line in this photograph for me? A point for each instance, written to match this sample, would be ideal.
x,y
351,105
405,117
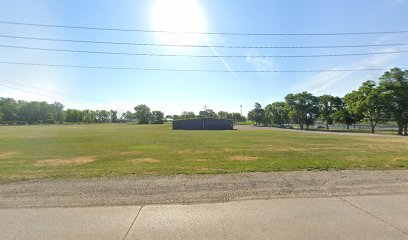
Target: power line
x,y
201,56
188,70
33,92
35,88
203,33
23,90
202,46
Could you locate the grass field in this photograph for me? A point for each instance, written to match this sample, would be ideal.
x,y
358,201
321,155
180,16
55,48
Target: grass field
x,y
59,151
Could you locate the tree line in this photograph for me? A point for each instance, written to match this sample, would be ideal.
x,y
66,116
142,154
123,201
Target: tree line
x,y
143,115
209,113
23,112
372,102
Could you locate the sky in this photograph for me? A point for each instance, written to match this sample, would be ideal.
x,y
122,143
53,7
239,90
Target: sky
x,y
174,92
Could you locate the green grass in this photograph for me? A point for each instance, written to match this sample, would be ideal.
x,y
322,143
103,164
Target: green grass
x,y
121,149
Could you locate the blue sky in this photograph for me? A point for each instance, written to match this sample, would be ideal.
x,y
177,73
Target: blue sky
x,y
173,92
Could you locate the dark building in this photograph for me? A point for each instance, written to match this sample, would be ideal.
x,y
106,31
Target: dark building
x,y
203,124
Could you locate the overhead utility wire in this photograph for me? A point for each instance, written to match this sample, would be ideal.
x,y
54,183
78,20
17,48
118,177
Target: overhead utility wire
x,y
188,70
204,33
34,92
201,56
34,88
24,90
201,46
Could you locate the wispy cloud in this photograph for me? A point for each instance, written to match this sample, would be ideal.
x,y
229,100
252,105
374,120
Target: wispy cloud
x,y
328,81
260,64
339,82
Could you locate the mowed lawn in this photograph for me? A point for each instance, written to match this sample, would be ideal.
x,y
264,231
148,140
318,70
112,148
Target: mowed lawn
x,y
60,151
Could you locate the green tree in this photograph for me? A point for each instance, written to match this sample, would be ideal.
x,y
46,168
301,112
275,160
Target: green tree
x,y
277,113
88,116
303,108
23,111
104,116
367,101
257,114
394,87
187,115
143,114
224,115
73,115
128,116
58,112
344,116
327,106
36,112
238,118
8,109
208,113
157,117
113,116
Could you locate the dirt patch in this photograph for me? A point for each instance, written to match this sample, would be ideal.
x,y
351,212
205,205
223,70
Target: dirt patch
x,y
353,158
129,153
197,160
322,145
234,149
385,147
278,149
4,155
398,159
191,151
142,160
307,148
59,162
183,151
243,158
396,139
204,169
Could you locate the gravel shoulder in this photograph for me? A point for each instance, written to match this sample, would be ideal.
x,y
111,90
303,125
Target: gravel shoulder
x,y
188,189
